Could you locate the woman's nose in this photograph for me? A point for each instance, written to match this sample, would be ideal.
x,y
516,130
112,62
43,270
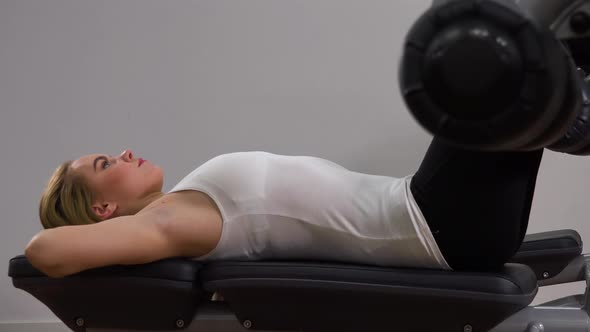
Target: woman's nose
x,y
126,155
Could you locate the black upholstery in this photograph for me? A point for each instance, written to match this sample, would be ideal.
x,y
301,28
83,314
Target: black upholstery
x,y
548,253
512,280
296,296
330,297
567,240
150,297
176,269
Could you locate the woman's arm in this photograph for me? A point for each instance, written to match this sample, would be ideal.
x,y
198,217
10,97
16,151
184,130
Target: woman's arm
x,y
178,227
124,240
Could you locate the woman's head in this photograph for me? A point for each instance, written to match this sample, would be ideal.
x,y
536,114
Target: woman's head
x,y
98,187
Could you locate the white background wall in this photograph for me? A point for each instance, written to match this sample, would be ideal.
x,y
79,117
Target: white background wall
x,y
182,81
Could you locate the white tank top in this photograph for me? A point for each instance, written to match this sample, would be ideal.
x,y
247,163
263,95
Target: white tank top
x,y
307,208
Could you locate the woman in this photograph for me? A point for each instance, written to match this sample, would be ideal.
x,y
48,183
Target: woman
x,y
462,210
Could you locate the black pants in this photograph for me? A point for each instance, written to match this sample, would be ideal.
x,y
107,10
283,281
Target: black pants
x,y
477,204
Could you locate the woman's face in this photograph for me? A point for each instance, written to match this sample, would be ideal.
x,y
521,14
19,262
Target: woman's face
x,y
123,180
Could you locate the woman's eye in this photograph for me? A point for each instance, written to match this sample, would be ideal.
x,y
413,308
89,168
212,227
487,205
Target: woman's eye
x,y
106,164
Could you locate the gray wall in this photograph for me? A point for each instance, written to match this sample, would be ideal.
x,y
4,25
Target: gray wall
x,y
182,81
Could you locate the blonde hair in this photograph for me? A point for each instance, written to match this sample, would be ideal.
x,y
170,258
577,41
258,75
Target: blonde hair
x,y
67,199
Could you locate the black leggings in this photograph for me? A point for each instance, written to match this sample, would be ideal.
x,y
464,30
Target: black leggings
x,y
477,204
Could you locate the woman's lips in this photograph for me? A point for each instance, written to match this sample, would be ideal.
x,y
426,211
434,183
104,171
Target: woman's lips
x,y
141,161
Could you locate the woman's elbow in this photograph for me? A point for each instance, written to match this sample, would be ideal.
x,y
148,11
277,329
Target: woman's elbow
x,y
39,256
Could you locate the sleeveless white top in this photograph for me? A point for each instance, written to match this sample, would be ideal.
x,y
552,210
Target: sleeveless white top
x,y
307,208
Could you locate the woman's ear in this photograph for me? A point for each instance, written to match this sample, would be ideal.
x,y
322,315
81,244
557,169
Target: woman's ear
x,y
104,210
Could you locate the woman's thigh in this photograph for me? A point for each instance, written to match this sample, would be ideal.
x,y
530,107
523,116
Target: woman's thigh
x,y
477,204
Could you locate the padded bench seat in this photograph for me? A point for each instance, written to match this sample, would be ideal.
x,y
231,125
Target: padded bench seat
x,y
291,296
335,297
548,253
152,296
296,296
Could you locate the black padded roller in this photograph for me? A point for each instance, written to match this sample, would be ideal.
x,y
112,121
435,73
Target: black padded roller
x,y
482,75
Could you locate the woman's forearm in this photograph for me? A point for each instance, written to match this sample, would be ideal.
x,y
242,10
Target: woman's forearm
x,y
125,240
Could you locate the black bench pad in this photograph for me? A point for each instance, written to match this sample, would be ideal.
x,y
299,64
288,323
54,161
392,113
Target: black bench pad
x,y
548,253
154,296
339,297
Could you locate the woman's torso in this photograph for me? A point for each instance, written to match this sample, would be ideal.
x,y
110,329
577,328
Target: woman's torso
x,y
295,207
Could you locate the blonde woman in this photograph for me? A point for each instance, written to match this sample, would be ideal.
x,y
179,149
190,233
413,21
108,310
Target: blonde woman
x,y
459,207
